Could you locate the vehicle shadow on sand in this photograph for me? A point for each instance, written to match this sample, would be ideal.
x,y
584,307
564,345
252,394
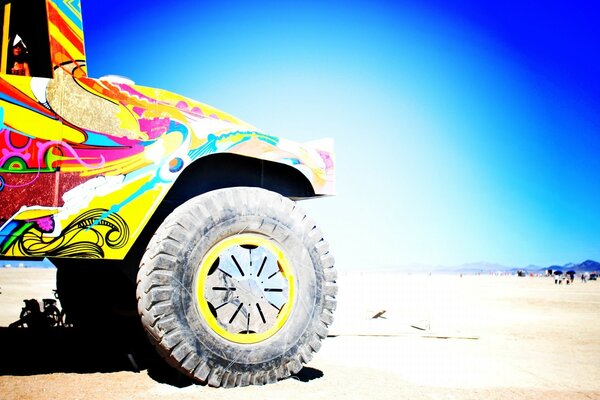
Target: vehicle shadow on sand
x,y
31,351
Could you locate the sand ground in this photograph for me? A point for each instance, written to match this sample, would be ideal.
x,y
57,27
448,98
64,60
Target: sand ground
x,y
443,337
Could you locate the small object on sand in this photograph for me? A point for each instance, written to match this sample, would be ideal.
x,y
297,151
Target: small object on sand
x,y
423,325
379,314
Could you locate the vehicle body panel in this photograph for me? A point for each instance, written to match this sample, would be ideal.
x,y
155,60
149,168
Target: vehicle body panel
x,y
85,162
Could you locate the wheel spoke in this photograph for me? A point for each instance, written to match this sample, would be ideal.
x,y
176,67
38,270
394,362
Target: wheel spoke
x,y
222,305
236,313
225,273
237,265
262,316
262,266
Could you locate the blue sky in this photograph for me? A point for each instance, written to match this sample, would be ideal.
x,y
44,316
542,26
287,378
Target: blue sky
x,y
464,132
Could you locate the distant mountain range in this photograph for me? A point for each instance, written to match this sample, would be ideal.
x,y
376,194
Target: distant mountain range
x,y
477,267
586,266
487,267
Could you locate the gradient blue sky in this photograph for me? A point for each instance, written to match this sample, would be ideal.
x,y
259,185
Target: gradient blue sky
x,y
464,132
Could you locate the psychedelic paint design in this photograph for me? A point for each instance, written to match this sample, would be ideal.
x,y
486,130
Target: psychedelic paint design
x,y
94,158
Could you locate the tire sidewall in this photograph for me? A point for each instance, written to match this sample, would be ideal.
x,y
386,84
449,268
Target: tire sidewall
x,y
287,231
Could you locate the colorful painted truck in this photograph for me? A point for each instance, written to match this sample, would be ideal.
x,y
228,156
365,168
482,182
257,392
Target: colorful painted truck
x,y
235,284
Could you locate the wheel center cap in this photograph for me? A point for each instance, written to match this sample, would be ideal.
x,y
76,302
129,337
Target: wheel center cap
x,y
248,291
245,288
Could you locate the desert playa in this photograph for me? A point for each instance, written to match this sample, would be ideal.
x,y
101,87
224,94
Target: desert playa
x,y
436,337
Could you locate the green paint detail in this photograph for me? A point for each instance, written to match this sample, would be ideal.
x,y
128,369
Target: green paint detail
x,y
50,158
16,235
16,165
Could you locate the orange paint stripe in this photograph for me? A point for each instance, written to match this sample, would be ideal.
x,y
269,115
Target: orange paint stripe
x,y
60,55
66,30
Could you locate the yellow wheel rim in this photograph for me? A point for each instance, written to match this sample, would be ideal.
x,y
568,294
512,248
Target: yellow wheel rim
x,y
245,288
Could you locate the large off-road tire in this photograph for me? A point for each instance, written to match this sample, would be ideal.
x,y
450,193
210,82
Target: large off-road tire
x,y
237,287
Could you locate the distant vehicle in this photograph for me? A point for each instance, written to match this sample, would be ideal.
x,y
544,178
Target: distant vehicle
x,y
236,284
593,276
